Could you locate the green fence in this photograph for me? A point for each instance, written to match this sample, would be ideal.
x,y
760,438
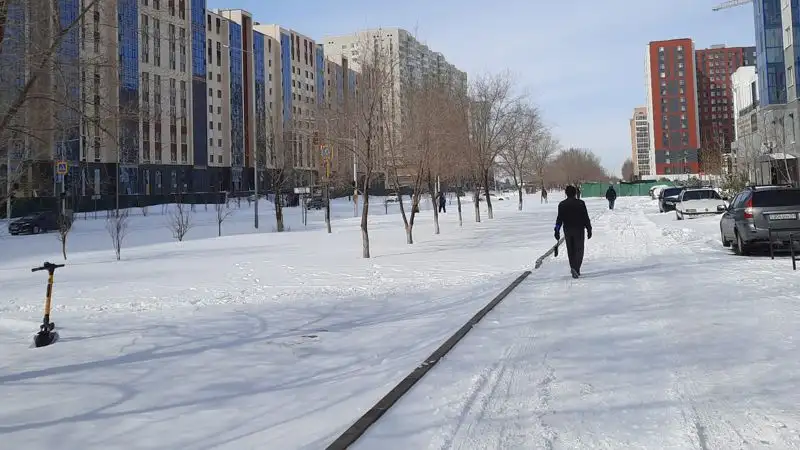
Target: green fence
x,y
624,189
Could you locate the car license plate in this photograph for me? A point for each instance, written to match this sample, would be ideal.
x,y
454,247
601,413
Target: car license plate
x,y
782,216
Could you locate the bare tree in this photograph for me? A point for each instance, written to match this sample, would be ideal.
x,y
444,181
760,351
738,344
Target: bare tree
x,y
64,227
180,220
491,121
117,227
547,146
374,94
222,213
517,158
575,166
282,138
712,146
627,170
29,59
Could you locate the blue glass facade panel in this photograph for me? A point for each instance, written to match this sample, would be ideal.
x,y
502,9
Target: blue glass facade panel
x,y
286,76
128,35
12,50
237,101
351,82
67,142
339,85
259,59
199,86
795,5
320,55
770,63
199,38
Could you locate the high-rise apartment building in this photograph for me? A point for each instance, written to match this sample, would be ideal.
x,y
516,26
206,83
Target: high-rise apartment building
x,y
770,59
411,61
166,96
715,67
640,143
672,108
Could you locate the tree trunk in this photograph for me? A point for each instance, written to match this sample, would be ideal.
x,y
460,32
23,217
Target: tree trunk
x,y
64,247
476,198
412,218
409,239
458,200
219,228
519,191
278,211
489,212
434,197
364,215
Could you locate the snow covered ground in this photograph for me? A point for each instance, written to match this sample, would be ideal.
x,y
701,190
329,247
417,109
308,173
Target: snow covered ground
x,y
668,341
234,342
281,340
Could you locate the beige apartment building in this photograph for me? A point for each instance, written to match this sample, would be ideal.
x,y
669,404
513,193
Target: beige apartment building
x,y
294,98
640,143
218,82
411,60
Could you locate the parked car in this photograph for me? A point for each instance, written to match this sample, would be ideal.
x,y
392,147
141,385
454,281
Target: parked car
x,y
315,203
699,202
757,212
656,190
668,197
40,222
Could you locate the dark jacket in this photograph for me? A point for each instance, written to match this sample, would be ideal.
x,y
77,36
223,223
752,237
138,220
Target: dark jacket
x,y
573,216
611,194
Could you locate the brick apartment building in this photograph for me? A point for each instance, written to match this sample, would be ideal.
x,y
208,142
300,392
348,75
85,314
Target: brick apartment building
x,y
672,108
715,67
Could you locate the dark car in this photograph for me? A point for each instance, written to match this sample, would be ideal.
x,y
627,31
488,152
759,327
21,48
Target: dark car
x,y
668,198
315,203
760,214
35,223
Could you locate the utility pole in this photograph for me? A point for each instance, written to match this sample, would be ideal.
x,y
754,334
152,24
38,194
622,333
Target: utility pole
x,y
255,184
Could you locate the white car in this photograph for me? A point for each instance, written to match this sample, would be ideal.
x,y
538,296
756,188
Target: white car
x,y
699,202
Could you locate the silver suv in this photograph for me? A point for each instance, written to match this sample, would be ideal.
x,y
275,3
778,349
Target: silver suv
x,y
758,215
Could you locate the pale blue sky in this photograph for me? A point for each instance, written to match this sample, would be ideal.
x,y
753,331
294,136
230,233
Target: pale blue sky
x,y
581,61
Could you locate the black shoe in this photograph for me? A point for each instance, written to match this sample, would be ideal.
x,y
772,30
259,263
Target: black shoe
x,y
575,273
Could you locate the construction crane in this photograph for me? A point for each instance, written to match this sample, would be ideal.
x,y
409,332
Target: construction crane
x,y
730,4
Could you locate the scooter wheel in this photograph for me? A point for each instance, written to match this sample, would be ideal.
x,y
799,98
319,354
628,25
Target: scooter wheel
x,y
43,339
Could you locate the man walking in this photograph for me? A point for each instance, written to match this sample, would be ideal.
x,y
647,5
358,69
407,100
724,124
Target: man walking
x,y
574,218
611,196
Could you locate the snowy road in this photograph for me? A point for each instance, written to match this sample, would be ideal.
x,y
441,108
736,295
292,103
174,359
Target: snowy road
x,y
668,341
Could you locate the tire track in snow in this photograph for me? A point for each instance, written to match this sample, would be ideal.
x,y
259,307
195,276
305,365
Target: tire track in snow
x,y
501,392
711,419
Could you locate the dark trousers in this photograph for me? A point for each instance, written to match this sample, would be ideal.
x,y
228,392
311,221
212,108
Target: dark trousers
x,y
442,208
611,203
574,241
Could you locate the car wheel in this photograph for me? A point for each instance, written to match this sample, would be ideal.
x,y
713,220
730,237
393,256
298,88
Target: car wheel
x,y
741,246
36,230
725,243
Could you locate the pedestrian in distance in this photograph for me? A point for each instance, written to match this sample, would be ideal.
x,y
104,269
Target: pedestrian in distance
x,y
611,196
442,203
544,195
574,219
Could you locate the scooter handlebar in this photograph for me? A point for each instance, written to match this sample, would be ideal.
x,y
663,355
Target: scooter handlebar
x,y
47,266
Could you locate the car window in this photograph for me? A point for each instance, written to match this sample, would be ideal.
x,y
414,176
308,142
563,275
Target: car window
x,y
776,198
705,194
671,191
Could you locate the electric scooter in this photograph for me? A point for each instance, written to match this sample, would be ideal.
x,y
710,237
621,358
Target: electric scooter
x,y
47,334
